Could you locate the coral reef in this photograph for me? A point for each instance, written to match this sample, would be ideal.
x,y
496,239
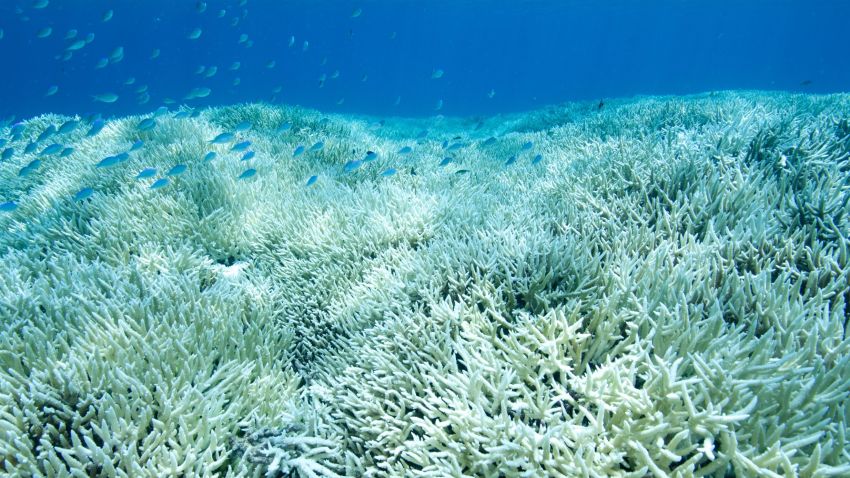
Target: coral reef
x,y
664,294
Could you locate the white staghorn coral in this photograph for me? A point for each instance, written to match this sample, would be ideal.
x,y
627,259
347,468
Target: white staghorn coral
x,y
665,294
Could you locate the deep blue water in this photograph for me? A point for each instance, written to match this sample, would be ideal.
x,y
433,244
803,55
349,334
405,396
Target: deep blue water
x,y
529,53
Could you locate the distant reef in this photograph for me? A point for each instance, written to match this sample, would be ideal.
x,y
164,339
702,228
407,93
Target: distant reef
x,y
653,286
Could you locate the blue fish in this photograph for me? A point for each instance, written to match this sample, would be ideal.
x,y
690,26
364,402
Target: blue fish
x,y
210,156
146,173
537,159
17,128
68,126
112,160
52,149
66,152
146,124
312,180
298,151
7,154
10,206
248,173
455,146
352,165
96,126
510,161
161,111
445,162
317,146
248,155
176,170
389,172
223,138
181,115
159,183
284,128
370,156
243,126
405,150
489,141
241,146
422,134
30,148
3,142
83,194
137,146
48,132
527,145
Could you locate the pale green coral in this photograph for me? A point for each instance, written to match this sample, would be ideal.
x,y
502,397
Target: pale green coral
x,y
664,295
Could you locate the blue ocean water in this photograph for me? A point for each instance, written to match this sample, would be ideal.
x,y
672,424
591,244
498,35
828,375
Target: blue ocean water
x,y
495,56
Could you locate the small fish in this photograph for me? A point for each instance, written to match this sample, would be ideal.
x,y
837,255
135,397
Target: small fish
x,y
357,12
439,105
461,171
68,127
96,126
445,162
181,115
44,32
71,34
210,156
271,64
291,41
370,156
600,105
48,132
107,15
805,82
298,150
77,45
176,170
405,150
159,183
249,155
235,66
312,180
194,34
283,128
146,173
436,74
422,134
243,126
25,171
211,71
305,46
352,165
389,172
89,38
146,124
10,206
139,144
130,81
241,146
66,152
491,94
510,161
117,54
317,146
7,154
102,63
155,54
108,161
52,149
489,141
39,4
455,146
537,159
83,194
248,173
223,138
527,145
105,97
30,147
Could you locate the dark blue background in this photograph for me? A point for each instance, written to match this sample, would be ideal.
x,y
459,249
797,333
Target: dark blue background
x,y
530,52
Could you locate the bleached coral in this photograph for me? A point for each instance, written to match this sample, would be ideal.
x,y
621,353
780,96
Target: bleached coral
x,y
664,294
